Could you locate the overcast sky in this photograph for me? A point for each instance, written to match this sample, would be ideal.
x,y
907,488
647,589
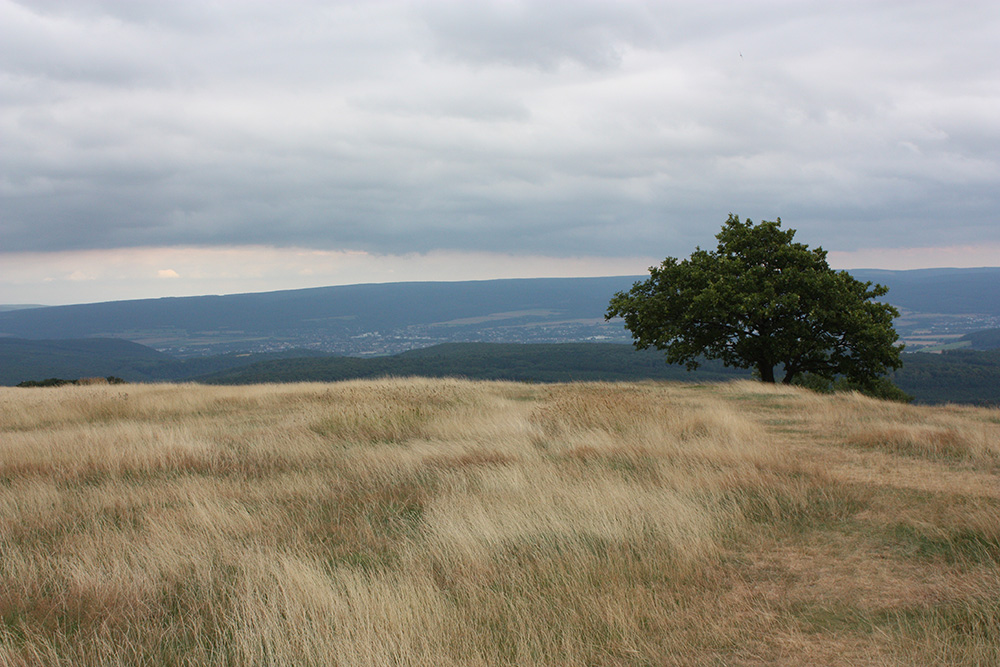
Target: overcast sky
x,y
199,146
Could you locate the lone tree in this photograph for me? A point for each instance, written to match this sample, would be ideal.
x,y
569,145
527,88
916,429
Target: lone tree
x,y
759,301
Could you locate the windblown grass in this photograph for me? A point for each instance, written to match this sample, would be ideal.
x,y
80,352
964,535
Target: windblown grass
x,y
443,522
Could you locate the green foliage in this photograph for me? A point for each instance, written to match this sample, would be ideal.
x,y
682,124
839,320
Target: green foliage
x,y
880,387
111,357
988,339
760,300
954,376
48,382
536,362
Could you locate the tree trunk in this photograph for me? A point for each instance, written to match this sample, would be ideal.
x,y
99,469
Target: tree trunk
x,y
766,372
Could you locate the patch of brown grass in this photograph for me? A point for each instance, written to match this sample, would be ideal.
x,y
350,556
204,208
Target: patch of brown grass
x,y
442,522
916,441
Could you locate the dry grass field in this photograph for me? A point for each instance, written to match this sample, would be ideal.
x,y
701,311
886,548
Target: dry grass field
x,y
437,522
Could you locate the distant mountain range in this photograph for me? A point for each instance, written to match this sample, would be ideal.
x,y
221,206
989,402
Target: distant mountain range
x,y
353,319
944,291
940,305
18,306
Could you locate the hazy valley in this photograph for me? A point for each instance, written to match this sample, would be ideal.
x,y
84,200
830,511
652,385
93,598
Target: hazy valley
x,y
938,306
525,330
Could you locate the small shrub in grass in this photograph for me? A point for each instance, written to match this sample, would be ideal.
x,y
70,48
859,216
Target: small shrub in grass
x,y
881,387
48,382
59,382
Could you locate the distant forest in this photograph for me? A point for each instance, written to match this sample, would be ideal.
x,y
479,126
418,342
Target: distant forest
x,y
959,376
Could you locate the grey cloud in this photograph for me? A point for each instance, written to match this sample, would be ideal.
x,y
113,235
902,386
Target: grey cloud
x,y
542,127
541,34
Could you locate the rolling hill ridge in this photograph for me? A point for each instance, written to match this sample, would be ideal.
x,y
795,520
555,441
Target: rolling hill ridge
x,y
376,319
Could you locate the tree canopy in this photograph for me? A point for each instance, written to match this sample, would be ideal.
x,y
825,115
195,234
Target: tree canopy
x,y
759,301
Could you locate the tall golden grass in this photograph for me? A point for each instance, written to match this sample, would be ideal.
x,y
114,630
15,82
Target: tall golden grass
x,y
444,522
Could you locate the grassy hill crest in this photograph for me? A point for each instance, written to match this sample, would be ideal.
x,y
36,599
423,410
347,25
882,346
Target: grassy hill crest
x,y
449,522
